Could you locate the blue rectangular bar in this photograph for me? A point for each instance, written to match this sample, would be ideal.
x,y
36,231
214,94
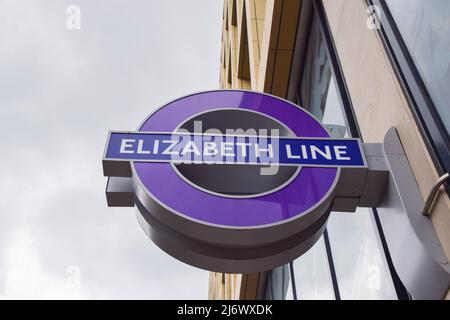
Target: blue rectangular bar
x,y
233,149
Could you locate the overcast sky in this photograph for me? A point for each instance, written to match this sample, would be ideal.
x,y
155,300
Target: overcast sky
x,y
61,90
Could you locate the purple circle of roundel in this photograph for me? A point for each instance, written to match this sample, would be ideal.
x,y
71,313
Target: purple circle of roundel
x,y
302,193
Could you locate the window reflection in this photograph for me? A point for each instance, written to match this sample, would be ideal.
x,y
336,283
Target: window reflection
x,y
279,283
312,274
361,269
318,93
425,28
357,254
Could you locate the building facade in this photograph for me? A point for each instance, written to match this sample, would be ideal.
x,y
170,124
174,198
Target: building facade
x,y
361,67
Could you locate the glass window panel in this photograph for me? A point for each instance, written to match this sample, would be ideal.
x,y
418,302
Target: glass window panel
x,y
312,274
425,28
357,253
279,283
316,74
289,294
318,90
333,117
358,257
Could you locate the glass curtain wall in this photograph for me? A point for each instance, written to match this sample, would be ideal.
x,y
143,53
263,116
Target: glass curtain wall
x,y
425,28
353,266
417,34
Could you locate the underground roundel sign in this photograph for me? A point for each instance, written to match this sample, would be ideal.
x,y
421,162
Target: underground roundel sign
x,y
229,180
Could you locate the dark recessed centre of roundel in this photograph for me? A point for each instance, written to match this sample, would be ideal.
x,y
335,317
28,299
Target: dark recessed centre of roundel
x,y
230,179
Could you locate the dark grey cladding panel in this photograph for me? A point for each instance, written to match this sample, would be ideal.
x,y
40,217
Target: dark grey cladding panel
x,y
119,192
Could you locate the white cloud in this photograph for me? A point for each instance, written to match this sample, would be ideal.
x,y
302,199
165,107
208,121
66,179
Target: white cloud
x,y
61,91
